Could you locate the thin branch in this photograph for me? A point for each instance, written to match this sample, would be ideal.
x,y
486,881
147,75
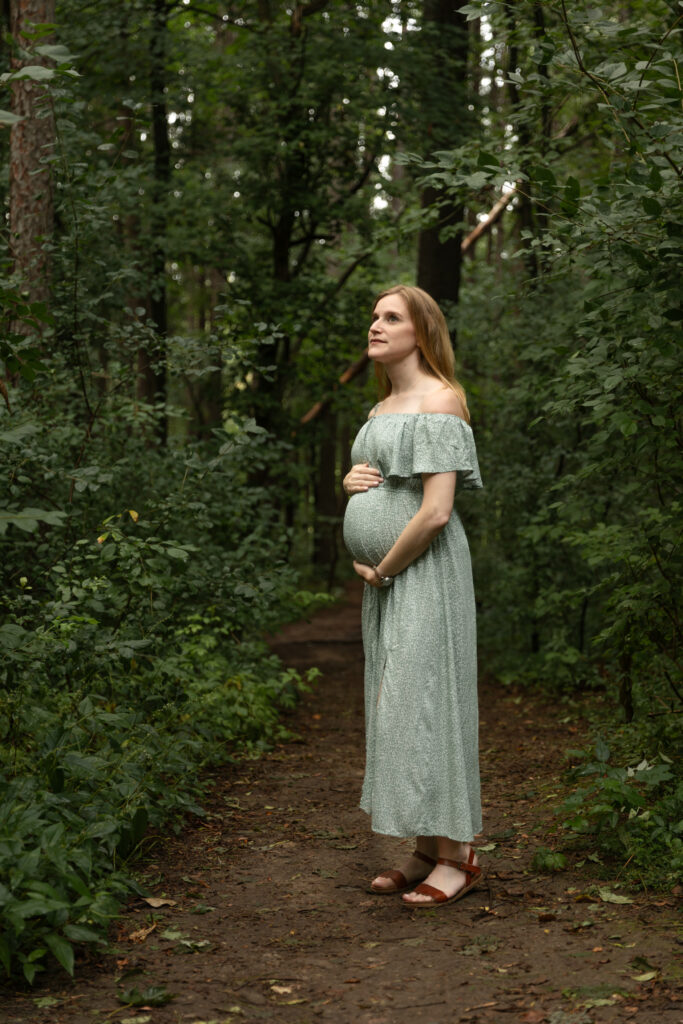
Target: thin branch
x,y
349,373
355,368
646,68
586,72
494,215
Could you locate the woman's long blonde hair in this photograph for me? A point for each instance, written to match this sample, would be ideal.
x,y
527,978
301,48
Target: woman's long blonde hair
x,y
431,332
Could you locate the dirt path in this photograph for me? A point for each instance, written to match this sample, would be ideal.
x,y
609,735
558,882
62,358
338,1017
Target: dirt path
x,y
271,921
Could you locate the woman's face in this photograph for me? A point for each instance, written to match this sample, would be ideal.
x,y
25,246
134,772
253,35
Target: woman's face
x,y
392,335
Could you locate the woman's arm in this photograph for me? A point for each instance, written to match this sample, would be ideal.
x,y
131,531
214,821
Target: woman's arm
x,y
434,513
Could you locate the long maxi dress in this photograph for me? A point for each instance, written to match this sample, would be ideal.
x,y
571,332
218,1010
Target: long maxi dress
x,y
419,635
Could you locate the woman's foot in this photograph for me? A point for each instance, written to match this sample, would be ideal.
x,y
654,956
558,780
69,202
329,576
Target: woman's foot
x,y
415,869
445,878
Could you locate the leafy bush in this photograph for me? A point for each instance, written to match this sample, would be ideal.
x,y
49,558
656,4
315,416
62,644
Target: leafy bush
x,y
632,813
132,651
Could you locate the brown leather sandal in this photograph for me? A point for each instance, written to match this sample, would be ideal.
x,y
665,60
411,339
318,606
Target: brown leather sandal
x,y
438,898
401,883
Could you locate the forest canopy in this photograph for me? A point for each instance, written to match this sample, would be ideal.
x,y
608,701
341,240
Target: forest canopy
x,y
200,201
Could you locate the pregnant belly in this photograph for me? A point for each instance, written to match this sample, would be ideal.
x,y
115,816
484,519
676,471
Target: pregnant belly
x,y
375,518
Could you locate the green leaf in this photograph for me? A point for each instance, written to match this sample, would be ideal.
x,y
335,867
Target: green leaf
x,y
62,950
27,519
548,860
488,160
36,72
651,206
7,117
81,933
477,180
602,751
155,995
570,199
55,52
12,636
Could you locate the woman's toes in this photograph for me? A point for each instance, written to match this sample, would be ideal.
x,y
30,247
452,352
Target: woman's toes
x,y
382,883
414,897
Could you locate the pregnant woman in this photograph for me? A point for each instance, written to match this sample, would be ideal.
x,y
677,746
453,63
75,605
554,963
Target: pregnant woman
x,y
419,636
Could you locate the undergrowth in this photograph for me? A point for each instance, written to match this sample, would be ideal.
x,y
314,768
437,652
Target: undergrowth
x,y
138,587
627,800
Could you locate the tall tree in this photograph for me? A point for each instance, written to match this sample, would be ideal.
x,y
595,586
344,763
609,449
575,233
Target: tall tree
x,y
444,44
31,143
152,358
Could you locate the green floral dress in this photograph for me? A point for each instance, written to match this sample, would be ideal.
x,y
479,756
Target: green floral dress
x,y
419,635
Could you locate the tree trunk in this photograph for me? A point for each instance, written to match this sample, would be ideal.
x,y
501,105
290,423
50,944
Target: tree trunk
x,y
152,359
31,144
445,33
326,499
532,218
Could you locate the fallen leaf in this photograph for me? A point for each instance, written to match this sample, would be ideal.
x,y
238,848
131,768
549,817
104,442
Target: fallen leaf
x,y
648,976
352,981
281,990
612,897
141,934
533,1017
157,901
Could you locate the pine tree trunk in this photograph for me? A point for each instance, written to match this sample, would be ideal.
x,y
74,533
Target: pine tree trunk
x,y
31,144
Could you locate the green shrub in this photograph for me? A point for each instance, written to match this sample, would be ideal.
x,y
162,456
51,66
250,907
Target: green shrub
x,y
633,814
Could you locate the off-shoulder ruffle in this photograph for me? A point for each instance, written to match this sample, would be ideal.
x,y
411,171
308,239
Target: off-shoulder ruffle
x,y
426,443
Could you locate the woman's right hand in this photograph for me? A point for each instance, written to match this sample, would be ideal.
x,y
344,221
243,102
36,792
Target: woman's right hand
x,y
361,478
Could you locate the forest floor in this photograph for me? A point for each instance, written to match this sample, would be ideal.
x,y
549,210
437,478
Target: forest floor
x,y
263,912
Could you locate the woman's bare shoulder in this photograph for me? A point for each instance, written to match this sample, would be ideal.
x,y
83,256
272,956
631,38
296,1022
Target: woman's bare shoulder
x,y
443,400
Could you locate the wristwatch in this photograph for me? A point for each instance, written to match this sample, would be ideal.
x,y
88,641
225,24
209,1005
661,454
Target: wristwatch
x,y
384,581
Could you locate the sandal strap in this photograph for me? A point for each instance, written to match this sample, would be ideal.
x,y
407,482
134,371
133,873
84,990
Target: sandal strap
x,y
425,889
424,857
470,870
396,876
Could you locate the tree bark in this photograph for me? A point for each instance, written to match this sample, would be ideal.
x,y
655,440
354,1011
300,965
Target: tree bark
x,y
446,37
31,144
326,499
152,359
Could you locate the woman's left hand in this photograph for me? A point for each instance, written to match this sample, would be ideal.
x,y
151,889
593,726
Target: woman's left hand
x,y
367,573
